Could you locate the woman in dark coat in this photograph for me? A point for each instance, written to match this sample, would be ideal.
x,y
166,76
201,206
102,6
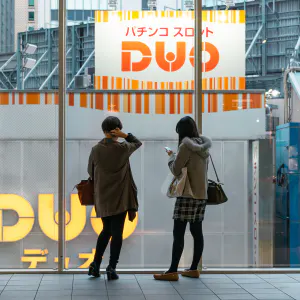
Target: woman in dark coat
x,y
115,191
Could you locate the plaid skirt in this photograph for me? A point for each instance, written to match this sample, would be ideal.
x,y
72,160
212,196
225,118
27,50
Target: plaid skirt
x,y
190,210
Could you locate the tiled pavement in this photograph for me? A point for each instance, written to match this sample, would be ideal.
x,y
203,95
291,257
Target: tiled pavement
x,y
143,287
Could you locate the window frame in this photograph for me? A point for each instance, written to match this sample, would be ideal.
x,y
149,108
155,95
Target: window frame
x,y
29,18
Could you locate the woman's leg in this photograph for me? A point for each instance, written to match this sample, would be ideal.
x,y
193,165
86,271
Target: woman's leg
x,y
178,244
197,233
117,226
103,240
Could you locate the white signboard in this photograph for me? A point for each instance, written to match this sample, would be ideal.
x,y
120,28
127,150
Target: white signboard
x,y
155,50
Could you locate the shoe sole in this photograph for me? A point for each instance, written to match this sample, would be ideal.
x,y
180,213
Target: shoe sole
x,y
190,275
162,278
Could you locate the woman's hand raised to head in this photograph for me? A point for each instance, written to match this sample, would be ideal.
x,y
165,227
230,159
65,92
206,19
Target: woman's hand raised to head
x,y
118,133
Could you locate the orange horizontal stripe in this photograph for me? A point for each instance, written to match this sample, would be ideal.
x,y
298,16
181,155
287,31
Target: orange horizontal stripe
x,y
105,15
226,83
212,103
244,101
160,103
105,83
127,103
99,102
146,104
33,98
230,102
255,101
83,100
135,84
21,98
91,100
242,83
188,104
4,98
48,98
112,83
119,83
97,82
109,103
138,103
172,104
242,16
71,99
116,103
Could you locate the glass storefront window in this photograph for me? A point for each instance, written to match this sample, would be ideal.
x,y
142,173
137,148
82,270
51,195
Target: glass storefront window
x,y
79,15
31,16
138,64
71,15
54,15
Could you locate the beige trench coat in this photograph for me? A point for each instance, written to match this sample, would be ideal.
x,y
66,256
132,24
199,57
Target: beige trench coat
x,y
109,166
193,154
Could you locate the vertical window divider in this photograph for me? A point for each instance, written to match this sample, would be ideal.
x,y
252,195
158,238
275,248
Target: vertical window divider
x,y
62,135
198,64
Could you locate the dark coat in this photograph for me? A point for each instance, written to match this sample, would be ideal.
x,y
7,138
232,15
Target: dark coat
x,y
115,190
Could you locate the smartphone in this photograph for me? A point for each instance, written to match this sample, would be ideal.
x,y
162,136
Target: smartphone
x,y
168,149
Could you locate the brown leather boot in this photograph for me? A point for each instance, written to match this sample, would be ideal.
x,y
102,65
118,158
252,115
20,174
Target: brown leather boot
x,y
166,277
191,273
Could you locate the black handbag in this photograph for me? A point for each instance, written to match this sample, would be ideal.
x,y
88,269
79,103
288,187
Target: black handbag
x,y
215,192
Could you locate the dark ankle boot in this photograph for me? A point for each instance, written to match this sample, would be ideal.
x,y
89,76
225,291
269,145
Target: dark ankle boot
x,y
111,273
94,270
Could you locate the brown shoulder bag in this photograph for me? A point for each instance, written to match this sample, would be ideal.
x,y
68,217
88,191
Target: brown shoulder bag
x,y
86,192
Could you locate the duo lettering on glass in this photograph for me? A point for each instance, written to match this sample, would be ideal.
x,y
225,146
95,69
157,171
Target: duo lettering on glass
x,y
48,220
36,256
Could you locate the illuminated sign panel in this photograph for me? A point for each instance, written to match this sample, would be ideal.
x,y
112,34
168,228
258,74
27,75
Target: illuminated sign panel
x,y
155,50
76,220
48,219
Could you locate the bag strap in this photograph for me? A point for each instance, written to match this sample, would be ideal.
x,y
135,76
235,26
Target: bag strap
x,y
93,169
214,168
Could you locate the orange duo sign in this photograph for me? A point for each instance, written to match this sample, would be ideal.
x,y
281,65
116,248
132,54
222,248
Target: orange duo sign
x,y
168,62
155,50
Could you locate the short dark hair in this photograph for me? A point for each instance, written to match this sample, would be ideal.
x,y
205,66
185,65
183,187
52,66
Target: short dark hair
x,y
111,123
187,127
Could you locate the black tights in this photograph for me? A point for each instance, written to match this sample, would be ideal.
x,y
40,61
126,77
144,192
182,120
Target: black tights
x,y
112,228
178,243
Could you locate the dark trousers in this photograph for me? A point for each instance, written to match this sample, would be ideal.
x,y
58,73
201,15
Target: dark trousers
x,y
112,229
178,243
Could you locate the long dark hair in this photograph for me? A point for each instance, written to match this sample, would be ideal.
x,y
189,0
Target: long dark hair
x,y
186,127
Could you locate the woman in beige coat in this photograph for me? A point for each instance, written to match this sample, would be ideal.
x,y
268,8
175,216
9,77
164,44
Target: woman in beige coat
x,y
193,154
115,191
